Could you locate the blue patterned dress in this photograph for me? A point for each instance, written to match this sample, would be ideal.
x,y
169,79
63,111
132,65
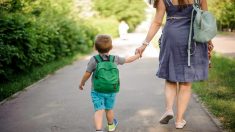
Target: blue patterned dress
x,y
173,59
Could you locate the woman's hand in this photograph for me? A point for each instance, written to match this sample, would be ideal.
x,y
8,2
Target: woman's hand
x,y
140,50
210,48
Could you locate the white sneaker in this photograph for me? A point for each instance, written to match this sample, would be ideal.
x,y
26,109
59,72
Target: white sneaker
x,y
180,125
166,117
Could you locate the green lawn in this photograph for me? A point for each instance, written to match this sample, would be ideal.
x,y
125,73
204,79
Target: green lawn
x,y
25,79
218,93
225,33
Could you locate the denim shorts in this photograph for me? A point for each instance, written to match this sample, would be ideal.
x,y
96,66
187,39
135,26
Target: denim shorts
x,y
103,101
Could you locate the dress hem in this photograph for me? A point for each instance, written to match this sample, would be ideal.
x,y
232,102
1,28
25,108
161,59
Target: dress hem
x,y
175,80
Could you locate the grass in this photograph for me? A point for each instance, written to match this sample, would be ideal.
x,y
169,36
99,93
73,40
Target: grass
x,y
218,92
23,80
225,33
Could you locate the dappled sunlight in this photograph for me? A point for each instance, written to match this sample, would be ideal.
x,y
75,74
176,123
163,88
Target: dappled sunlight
x,y
87,57
149,118
146,112
42,115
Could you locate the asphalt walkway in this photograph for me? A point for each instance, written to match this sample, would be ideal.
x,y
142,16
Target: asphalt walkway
x,y
55,104
225,44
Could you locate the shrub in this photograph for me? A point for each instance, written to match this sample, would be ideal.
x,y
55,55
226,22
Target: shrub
x,y
38,32
131,11
224,12
105,25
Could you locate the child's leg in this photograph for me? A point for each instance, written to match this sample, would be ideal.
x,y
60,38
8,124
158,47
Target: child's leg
x,y
98,119
98,102
109,116
109,104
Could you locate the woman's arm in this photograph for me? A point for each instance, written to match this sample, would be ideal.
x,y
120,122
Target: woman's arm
x,y
205,8
157,21
204,5
210,44
155,25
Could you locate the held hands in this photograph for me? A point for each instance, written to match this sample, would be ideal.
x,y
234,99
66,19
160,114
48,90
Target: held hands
x,y
140,50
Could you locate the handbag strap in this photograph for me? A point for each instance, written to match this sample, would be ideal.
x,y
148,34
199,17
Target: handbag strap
x,y
197,3
190,39
196,6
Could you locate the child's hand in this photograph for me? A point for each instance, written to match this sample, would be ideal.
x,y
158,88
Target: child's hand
x,y
81,86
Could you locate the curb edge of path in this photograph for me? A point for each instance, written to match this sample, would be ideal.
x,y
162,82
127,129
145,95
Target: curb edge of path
x,y
15,95
217,123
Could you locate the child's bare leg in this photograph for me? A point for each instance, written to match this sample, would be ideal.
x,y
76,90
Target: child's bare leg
x,y
98,119
109,116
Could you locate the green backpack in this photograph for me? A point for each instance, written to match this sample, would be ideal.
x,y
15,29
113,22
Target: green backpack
x,y
106,75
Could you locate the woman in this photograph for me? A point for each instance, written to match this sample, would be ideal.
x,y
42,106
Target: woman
x,y
173,66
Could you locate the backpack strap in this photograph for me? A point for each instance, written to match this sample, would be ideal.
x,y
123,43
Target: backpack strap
x,y
98,58
111,58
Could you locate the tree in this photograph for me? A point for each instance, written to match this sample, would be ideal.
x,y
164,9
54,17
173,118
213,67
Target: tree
x,y
131,11
224,12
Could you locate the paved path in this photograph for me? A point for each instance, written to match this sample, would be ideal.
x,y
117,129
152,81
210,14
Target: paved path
x,y
225,44
56,105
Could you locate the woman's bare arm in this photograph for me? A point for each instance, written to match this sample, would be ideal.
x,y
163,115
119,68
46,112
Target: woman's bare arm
x,y
204,5
157,21
155,25
205,8
210,44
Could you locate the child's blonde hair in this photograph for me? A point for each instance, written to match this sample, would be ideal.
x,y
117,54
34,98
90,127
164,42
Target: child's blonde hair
x,y
103,43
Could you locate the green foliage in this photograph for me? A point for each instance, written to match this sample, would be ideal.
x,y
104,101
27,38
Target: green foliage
x,y
22,80
131,11
34,33
105,25
218,92
224,12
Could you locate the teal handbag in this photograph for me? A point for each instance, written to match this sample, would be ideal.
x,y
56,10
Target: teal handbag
x,y
204,26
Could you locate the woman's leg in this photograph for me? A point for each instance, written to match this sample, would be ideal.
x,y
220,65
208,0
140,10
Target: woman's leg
x,y
170,94
183,100
98,119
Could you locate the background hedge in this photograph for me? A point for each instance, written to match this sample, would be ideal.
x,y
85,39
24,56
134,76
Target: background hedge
x,y
131,11
35,32
224,11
